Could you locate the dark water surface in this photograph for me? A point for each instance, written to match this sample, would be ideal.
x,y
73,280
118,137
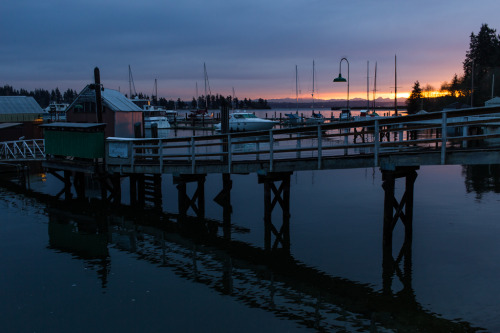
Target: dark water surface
x,y
78,270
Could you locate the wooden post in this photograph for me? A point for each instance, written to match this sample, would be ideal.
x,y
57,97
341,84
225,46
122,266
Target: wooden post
x,y
394,211
281,196
224,200
79,183
133,189
267,215
67,185
197,202
117,190
98,100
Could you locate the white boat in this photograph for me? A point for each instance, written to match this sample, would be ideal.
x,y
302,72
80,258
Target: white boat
x,y
345,114
155,115
315,119
247,121
56,111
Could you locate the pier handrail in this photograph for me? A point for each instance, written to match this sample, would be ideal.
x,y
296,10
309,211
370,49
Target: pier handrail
x,y
364,138
22,150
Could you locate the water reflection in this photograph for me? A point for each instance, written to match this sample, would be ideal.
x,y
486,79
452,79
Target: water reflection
x,y
481,179
82,236
277,283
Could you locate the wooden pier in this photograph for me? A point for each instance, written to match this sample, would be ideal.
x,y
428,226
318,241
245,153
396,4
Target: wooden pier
x,y
398,146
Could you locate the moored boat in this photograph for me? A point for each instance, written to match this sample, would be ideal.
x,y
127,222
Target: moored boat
x,y
315,119
56,111
246,121
155,115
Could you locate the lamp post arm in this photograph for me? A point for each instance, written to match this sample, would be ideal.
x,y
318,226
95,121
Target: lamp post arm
x,y
340,65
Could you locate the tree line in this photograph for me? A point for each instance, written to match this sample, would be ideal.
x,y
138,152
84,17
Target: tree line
x,y
42,96
210,102
476,84
45,97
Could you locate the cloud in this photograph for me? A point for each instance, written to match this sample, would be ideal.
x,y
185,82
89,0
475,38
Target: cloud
x,y
253,45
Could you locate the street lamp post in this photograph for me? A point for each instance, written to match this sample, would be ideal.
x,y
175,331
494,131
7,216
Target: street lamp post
x,y
342,79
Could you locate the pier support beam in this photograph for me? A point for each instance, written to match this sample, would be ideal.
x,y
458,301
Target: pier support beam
x,y
197,201
394,211
145,188
224,200
281,196
112,184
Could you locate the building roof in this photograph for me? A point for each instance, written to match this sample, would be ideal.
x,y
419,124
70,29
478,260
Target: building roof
x,y
9,125
493,101
455,106
112,99
19,104
73,125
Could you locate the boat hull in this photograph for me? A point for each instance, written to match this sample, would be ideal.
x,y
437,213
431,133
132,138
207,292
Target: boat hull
x,y
162,122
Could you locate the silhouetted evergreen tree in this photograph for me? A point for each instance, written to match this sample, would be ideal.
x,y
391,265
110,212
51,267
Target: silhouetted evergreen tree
x,y
414,102
481,61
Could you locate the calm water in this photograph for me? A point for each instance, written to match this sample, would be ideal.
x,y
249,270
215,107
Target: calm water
x,y
73,269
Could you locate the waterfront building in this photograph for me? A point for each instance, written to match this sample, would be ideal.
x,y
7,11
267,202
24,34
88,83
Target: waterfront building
x,y
118,112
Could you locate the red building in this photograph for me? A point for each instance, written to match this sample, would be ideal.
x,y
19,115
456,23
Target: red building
x,y
118,112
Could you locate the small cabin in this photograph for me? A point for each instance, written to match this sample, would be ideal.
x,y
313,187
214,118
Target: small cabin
x,y
118,112
65,140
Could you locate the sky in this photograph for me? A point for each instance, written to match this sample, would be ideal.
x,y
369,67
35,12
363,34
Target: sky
x,y
253,47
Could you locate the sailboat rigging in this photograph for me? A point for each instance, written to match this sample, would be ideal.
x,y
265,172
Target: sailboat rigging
x,y
297,88
395,87
374,87
316,118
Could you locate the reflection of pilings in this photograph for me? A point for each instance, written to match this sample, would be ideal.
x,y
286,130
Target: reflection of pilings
x,y
83,236
281,196
288,288
293,286
197,201
394,211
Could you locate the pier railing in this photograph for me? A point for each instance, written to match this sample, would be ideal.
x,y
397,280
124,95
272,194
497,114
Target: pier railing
x,y
22,150
371,142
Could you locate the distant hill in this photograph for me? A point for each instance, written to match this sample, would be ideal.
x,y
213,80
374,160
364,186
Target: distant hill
x,y
336,103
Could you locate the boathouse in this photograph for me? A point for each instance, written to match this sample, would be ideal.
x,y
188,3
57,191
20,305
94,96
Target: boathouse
x,y
23,112
118,113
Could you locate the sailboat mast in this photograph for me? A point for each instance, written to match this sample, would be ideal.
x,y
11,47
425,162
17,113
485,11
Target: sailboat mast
x,y
374,86
367,86
232,101
297,88
197,103
395,87
130,82
313,90
155,98
205,77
